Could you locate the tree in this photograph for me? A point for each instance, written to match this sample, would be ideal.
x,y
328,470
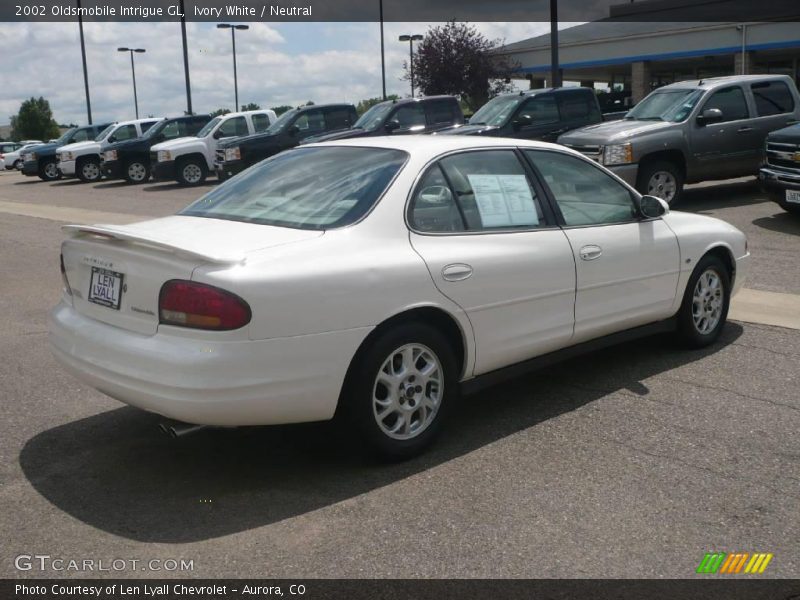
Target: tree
x,y
455,58
34,121
279,110
219,112
364,105
250,106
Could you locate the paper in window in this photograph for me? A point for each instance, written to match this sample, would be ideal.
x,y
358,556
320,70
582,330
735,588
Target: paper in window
x,y
504,200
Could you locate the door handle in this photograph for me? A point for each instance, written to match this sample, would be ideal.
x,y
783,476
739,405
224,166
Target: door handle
x,y
457,272
591,252
744,129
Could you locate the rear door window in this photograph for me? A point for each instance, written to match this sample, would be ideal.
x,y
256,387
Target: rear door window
x,y
577,106
260,122
541,109
440,112
772,98
339,118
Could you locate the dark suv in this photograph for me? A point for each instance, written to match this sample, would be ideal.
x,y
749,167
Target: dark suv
x,y
534,115
41,161
780,174
130,159
293,126
396,117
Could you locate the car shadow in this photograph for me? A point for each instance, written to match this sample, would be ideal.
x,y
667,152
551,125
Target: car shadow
x,y
165,187
111,184
67,182
782,222
115,471
726,194
29,181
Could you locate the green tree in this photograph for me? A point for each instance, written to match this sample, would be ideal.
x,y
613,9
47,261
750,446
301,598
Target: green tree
x,y
455,58
279,110
34,121
364,105
219,112
250,106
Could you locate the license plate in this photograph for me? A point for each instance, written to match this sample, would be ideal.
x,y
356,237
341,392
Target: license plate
x,y
793,196
105,288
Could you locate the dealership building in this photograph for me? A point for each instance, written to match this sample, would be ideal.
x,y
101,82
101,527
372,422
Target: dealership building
x,y
637,57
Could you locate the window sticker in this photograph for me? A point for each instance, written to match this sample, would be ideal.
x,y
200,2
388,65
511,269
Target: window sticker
x,y
504,200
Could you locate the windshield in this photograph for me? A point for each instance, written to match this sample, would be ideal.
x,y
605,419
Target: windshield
x,y
105,132
67,134
666,105
281,122
156,129
209,126
373,118
305,188
496,111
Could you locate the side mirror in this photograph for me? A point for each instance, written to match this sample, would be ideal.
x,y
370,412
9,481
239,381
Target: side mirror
x,y
294,130
521,121
710,115
653,207
112,139
391,126
217,134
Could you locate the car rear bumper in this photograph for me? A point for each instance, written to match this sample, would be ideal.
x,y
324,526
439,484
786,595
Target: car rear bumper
x,y
226,383
164,170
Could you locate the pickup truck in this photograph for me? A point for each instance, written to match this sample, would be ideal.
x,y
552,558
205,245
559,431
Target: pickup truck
x,y
42,163
780,175
692,131
541,114
83,158
130,159
401,117
288,131
189,160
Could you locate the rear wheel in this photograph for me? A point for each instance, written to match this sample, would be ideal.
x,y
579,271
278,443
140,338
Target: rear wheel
x,y
89,170
663,179
400,390
18,164
136,171
191,171
705,303
48,171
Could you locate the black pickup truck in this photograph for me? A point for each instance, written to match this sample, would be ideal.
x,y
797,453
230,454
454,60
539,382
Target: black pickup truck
x,y
41,161
130,159
780,174
291,128
541,114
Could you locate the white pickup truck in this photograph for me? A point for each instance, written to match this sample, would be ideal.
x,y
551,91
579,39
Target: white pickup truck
x,y
83,158
189,160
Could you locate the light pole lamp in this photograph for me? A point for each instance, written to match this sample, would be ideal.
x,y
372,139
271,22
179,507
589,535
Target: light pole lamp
x,y
411,39
133,73
233,29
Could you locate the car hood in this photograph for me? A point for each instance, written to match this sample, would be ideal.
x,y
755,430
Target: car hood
x,y
790,135
128,144
91,146
612,131
179,144
345,134
43,148
467,129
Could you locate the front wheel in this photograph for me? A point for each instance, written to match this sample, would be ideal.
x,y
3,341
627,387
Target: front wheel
x,y
705,303
89,170
48,171
18,164
401,389
191,172
662,179
137,171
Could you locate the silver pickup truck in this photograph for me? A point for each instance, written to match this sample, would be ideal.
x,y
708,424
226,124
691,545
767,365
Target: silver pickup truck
x,y
692,131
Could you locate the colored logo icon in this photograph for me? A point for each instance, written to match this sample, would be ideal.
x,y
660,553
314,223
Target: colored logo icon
x,y
732,563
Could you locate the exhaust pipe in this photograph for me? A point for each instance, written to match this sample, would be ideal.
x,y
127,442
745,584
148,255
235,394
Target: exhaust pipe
x,y
176,430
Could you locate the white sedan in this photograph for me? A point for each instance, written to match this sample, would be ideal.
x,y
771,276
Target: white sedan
x,y
377,278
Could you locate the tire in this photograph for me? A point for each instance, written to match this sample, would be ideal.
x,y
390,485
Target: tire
x,y
191,171
661,178
136,171
17,164
704,309
386,378
88,170
48,171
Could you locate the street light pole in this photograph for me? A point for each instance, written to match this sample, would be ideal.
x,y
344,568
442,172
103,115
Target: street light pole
x,y
555,70
233,29
186,62
383,58
85,71
133,73
411,39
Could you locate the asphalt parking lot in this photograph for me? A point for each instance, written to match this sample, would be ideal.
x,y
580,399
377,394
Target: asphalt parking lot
x,y
629,462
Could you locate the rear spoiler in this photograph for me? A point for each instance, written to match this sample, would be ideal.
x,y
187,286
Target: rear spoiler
x,y
125,235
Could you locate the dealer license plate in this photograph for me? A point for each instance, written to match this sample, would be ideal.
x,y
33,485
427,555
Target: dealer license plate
x,y
793,196
106,288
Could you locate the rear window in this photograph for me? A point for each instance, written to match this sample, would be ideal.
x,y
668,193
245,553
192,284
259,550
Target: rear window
x,y
440,112
304,188
772,98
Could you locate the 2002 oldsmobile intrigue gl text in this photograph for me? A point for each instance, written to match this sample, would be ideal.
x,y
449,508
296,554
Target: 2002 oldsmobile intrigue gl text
x,y
375,278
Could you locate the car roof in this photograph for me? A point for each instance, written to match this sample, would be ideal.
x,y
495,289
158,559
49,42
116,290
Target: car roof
x,y
420,99
713,82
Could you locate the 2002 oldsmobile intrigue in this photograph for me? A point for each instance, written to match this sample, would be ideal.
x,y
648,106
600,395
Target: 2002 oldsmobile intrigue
x,y
377,278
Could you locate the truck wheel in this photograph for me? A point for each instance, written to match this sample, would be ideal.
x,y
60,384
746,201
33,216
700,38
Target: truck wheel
x,y
18,164
136,171
191,171
48,171
705,303
89,170
663,179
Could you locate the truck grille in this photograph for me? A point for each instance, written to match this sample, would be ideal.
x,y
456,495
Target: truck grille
x,y
593,152
219,157
783,155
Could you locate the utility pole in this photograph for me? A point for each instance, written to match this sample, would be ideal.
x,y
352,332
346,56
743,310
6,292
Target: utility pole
x,y
186,61
555,71
85,71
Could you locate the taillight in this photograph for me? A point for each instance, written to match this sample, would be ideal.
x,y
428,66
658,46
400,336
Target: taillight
x,y
64,279
201,306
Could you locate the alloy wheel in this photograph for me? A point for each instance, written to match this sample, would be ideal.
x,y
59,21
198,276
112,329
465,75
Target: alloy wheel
x,y
51,170
192,173
137,172
663,184
707,302
91,171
